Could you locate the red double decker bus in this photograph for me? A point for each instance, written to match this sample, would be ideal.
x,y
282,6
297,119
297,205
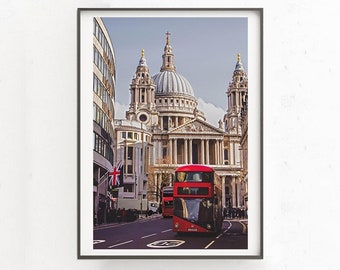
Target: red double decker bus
x,y
197,200
167,201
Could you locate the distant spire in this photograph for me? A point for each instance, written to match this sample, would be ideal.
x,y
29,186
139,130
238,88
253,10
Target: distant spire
x,y
239,65
168,56
168,38
142,61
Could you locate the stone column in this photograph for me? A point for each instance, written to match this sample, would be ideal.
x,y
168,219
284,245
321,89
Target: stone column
x,y
216,152
175,151
223,178
170,151
233,190
239,192
160,152
190,151
186,151
202,152
133,99
137,96
149,95
207,151
222,151
219,151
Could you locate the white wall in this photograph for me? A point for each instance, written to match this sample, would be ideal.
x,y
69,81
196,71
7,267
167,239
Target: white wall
x,y
38,224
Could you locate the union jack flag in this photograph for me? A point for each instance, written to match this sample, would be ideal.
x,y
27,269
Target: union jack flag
x,y
116,175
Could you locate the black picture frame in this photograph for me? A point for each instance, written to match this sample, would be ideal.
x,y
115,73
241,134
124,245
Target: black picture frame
x,y
83,153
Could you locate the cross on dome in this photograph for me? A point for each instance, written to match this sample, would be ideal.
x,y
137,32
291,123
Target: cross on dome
x,y
168,38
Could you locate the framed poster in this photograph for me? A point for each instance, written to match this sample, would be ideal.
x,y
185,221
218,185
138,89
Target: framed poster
x,y
169,132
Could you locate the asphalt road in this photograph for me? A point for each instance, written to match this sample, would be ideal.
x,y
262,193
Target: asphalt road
x,y
157,233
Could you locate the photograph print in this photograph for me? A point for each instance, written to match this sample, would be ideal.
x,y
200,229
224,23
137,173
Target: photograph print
x,y
166,169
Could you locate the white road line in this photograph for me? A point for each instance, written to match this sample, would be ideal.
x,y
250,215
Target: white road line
x,y
98,241
121,244
219,235
244,229
210,244
146,236
167,231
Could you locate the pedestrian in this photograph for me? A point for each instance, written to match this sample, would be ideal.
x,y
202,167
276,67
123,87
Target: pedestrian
x,y
100,216
242,213
119,215
124,215
94,218
224,212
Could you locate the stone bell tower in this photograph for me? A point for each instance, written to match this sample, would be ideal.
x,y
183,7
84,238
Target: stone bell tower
x,y
236,93
142,93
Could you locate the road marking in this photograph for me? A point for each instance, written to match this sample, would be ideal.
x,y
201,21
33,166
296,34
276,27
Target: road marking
x,y
166,244
121,244
98,241
108,226
219,235
146,236
212,242
244,229
167,231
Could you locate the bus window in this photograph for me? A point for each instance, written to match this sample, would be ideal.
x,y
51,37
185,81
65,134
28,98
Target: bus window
x,y
197,177
194,177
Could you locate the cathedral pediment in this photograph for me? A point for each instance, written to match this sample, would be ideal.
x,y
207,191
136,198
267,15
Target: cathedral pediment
x,y
196,126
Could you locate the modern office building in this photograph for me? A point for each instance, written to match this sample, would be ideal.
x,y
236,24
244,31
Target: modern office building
x,y
104,76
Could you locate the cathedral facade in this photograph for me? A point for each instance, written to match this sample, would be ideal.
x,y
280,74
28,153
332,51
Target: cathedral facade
x,y
165,111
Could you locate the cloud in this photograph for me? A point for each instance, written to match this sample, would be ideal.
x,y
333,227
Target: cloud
x,y
212,113
120,110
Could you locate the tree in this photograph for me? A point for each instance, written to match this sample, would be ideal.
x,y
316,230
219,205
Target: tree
x,y
159,176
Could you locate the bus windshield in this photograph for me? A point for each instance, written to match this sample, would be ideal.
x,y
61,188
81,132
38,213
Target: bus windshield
x,y
194,177
195,210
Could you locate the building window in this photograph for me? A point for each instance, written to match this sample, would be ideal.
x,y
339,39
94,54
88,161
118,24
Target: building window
x,y
129,135
143,117
102,147
130,153
165,122
128,188
164,152
226,157
123,135
129,169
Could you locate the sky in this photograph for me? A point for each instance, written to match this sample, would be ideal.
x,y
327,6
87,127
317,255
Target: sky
x,y
205,52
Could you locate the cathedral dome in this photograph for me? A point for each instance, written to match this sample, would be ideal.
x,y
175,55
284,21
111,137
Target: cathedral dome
x,y
169,82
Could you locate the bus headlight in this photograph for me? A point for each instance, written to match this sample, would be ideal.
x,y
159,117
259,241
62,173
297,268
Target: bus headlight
x,y
176,225
208,226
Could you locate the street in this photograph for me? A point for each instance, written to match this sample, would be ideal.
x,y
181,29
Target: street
x,y
156,232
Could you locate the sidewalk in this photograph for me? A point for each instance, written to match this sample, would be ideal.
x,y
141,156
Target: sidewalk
x,y
140,218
